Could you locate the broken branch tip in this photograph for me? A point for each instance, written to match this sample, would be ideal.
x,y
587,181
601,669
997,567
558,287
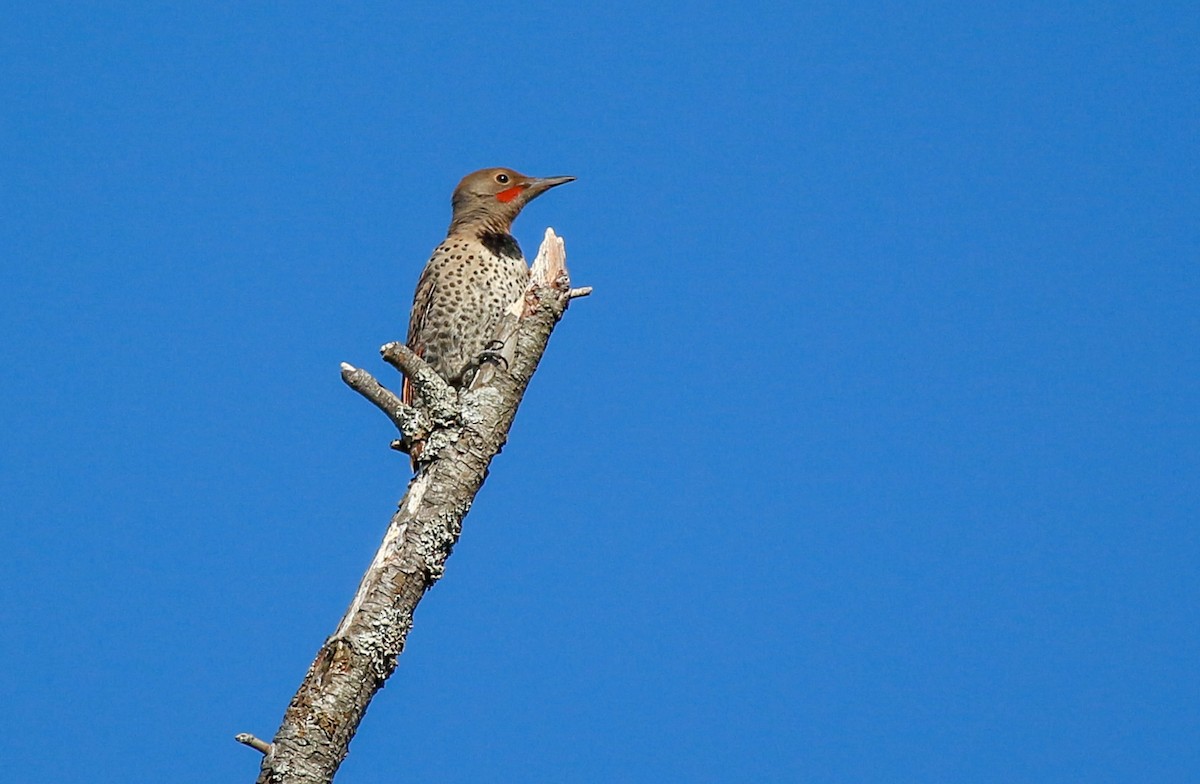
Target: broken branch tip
x,y
246,739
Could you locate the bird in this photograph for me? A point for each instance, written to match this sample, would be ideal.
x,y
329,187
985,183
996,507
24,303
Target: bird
x,y
472,276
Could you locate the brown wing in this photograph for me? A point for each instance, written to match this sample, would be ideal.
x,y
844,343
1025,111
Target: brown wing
x,y
422,301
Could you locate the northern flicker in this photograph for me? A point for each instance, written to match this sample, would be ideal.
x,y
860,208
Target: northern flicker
x,y
473,276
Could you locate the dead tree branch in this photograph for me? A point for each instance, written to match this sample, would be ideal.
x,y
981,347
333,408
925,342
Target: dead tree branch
x,y
408,420
465,431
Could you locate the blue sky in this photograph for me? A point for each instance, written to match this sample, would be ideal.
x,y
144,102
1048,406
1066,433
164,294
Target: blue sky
x,y
873,457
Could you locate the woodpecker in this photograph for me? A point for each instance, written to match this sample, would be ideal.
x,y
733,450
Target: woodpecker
x,y
473,276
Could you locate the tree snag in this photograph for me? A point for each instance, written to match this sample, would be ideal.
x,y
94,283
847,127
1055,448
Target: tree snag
x,y
462,432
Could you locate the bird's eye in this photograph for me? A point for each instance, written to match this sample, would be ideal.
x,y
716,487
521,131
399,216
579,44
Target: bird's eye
x,y
502,178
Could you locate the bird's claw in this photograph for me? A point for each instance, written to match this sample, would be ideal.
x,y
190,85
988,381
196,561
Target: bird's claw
x,y
491,353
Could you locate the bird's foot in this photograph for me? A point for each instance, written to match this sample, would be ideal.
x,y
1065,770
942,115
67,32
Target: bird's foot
x,y
491,355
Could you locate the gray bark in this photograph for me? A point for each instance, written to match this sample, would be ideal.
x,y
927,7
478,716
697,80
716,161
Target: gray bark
x,y
462,433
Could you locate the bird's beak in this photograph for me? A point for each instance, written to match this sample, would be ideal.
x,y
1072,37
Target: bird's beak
x,y
536,186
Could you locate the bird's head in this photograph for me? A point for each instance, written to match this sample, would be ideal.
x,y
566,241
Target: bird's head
x,y
492,198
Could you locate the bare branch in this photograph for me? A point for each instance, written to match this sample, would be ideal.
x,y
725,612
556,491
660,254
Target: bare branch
x,y
408,420
467,432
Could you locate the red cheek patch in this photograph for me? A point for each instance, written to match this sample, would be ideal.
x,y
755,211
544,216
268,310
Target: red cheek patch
x,y
510,194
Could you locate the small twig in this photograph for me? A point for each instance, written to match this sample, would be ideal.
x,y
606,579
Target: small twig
x,y
249,740
406,418
582,291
